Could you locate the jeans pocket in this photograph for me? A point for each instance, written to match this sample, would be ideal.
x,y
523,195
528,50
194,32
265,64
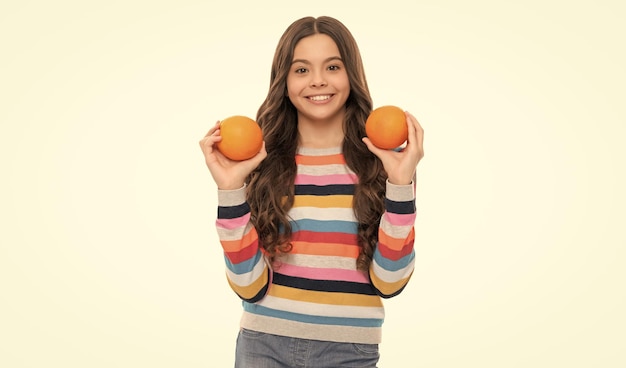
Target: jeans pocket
x,y
252,334
366,349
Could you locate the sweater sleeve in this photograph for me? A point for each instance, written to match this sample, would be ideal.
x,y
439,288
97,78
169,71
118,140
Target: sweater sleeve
x,y
246,269
394,257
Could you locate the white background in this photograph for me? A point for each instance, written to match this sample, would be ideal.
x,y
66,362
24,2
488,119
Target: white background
x,y
108,254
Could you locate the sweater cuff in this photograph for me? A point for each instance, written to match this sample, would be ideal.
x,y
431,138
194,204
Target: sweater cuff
x,y
400,193
234,197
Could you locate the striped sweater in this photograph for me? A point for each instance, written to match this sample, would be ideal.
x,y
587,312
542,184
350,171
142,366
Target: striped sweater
x,y
315,291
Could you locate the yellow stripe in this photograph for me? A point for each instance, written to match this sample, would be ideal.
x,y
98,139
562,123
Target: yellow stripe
x,y
336,201
251,290
323,297
388,288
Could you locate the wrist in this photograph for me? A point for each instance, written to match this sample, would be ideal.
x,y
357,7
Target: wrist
x,y
400,193
399,181
231,197
231,185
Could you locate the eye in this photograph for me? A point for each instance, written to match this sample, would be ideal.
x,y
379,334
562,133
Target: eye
x,y
300,70
334,67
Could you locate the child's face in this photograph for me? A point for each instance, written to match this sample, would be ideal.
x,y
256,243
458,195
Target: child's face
x,y
317,83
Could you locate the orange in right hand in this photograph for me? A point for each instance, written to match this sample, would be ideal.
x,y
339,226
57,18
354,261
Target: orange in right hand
x,y
386,127
241,138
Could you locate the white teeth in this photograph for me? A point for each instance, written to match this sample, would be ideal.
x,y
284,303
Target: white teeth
x,y
320,98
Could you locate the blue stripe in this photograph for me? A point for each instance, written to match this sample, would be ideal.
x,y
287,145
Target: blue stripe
x,y
319,320
390,265
243,267
346,227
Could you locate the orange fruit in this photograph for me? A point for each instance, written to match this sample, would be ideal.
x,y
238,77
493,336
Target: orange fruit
x,y
241,138
386,127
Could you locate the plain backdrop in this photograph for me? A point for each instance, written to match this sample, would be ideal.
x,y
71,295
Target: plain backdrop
x,y
108,254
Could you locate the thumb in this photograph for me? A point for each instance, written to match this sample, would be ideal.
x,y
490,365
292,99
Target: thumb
x,y
375,150
260,156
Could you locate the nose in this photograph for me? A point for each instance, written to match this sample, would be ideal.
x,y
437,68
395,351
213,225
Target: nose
x,y
317,80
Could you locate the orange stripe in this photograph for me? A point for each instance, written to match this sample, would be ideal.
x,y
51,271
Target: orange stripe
x,y
336,201
395,243
320,160
237,245
388,288
325,249
323,297
253,289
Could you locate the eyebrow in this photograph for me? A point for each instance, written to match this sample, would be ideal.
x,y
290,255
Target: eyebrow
x,y
304,61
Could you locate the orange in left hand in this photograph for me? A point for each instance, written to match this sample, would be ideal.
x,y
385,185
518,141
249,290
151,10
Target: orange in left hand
x,y
386,127
241,138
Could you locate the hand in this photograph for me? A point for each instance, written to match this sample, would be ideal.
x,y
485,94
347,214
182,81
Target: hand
x,y
401,166
228,174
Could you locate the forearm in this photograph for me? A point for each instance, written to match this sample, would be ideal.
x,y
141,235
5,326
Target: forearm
x,y
246,270
394,256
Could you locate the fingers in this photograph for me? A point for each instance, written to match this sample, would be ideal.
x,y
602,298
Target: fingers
x,y
211,137
413,125
416,132
213,129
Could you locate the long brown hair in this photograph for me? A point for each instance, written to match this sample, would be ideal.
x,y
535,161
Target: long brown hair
x,y
271,185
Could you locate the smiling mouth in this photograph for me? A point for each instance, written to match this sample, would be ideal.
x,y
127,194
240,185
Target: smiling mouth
x,y
320,97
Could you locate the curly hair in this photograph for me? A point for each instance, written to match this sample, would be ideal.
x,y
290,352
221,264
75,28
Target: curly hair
x,y
271,185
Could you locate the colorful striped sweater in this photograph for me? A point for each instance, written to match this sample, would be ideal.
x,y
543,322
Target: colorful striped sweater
x,y
316,291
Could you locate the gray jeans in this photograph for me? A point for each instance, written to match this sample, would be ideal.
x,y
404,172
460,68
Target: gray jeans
x,y
261,350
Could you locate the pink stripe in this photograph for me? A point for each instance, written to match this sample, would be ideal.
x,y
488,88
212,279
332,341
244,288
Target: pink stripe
x,y
233,223
327,179
400,219
323,273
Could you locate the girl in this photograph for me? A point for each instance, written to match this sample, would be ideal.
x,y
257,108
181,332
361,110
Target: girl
x,y
318,226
